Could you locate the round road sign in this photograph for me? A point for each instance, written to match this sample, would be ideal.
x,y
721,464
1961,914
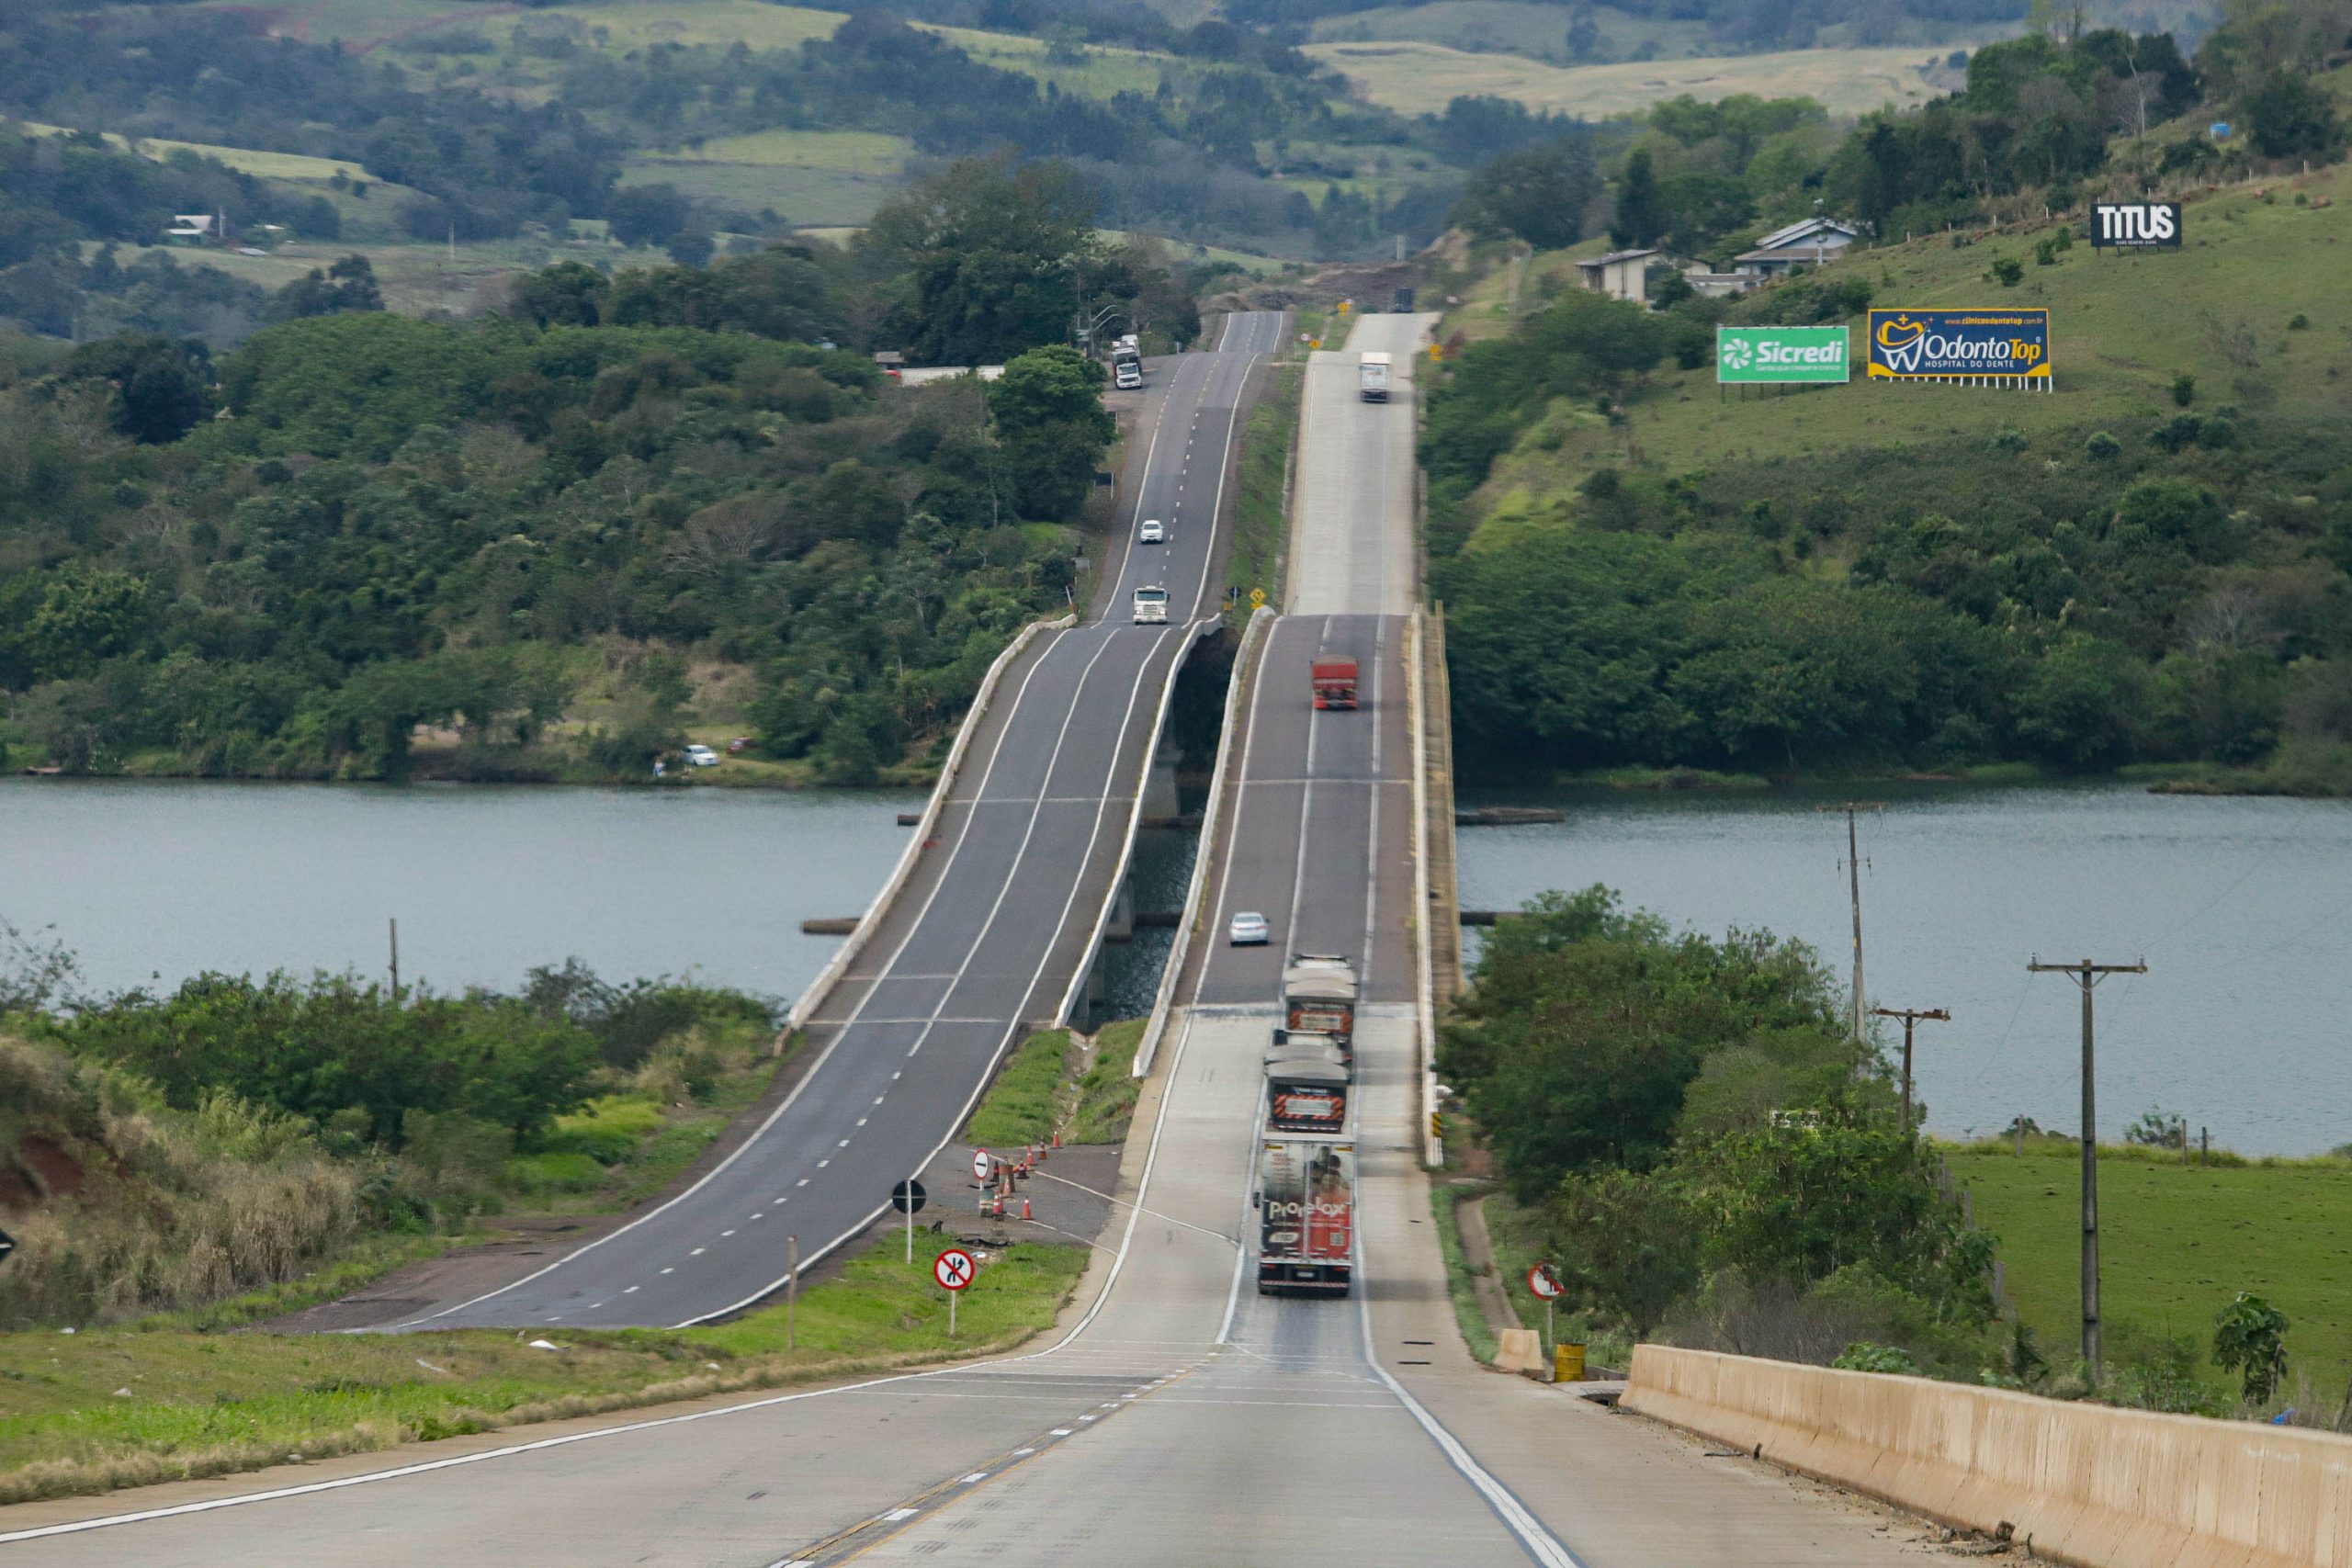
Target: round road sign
x,y
981,1164
954,1268
1543,1280
909,1197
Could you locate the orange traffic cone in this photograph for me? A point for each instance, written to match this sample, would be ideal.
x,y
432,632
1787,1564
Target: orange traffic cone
x,y
1024,1208
1058,1137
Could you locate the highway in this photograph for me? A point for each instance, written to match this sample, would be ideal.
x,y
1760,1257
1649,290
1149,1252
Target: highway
x,y
988,935
1182,1420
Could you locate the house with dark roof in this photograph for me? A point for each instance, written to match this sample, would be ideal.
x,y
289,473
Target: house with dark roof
x,y
1810,244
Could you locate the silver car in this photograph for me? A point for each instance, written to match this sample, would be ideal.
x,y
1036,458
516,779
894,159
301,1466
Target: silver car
x,y
1248,928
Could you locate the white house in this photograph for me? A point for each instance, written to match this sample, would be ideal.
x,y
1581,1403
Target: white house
x,y
1809,243
192,229
1621,275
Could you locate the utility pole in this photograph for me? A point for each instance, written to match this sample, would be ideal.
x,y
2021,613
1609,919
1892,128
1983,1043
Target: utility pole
x,y
1854,886
1910,1017
396,963
2087,976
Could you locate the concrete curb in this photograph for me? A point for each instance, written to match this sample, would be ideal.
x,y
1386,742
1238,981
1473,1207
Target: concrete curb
x,y
855,943
1424,1009
1163,1004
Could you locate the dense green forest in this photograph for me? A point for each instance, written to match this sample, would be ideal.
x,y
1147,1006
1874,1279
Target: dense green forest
x,y
2150,567
556,531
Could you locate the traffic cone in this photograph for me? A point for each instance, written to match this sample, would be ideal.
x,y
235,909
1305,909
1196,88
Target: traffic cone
x,y
1058,1137
1024,1208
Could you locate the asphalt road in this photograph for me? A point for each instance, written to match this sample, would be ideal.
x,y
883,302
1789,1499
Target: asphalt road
x,y
987,937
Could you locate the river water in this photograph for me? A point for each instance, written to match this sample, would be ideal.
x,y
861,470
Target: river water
x,y
2239,907
151,882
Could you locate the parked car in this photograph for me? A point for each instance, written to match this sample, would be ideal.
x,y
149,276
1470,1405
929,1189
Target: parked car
x,y
702,756
1248,928
1152,532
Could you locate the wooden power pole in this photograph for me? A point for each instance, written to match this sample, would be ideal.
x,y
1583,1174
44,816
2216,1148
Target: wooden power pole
x,y
2087,976
1909,1016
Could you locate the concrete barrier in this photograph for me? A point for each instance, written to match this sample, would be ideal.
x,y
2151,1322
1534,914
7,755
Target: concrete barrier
x,y
1261,623
828,977
2083,1484
1071,998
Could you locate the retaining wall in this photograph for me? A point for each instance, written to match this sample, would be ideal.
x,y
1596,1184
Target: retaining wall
x,y
2085,1483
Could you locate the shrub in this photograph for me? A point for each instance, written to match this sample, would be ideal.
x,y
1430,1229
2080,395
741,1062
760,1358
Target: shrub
x,y
2184,390
2008,272
2101,446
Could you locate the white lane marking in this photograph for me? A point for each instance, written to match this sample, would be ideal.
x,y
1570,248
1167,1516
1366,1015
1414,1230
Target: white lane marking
x,y
842,1144
1061,1431
1023,1453
861,1122
894,1078
804,1181
725,1233
671,1269
760,1215
1088,1417
629,1290
895,1515
976,1478
877,1099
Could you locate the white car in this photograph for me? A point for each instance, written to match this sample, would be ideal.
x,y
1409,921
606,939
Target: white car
x,y
1248,929
701,756
1151,533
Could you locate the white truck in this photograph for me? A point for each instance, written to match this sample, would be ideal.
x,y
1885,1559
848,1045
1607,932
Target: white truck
x,y
1151,606
1126,364
1372,378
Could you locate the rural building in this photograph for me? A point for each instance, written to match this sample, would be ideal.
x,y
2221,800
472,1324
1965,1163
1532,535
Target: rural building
x,y
1621,275
1809,243
1716,285
192,229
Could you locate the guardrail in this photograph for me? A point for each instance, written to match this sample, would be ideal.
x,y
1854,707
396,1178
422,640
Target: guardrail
x,y
1134,818
855,943
2074,1483
1181,949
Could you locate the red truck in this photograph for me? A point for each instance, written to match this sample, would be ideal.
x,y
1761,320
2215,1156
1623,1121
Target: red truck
x,y
1335,682
1307,1202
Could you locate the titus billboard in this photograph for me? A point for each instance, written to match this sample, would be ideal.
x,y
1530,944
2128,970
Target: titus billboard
x,y
2136,224
1947,345
1745,355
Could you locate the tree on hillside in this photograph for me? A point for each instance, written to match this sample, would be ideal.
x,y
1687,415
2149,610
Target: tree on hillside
x,y
1641,213
162,388
1052,424
989,258
1540,194
349,284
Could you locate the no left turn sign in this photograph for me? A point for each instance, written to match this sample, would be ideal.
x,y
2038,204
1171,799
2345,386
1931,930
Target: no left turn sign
x,y
1544,1281
954,1268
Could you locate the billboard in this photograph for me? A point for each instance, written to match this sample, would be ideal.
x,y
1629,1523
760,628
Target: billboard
x,y
1959,345
1751,355
2134,225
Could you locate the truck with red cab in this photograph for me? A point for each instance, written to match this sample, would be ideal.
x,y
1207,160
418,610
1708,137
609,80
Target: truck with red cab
x,y
1335,682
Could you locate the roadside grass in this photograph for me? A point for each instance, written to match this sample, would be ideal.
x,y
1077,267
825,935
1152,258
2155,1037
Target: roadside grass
x,y
1517,1236
1445,1203
1413,77
1106,1089
1022,1106
2121,329
1260,525
1058,1080
2176,1243
107,1408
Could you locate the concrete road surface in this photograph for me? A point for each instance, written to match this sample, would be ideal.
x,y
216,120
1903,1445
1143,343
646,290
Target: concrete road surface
x,y
986,938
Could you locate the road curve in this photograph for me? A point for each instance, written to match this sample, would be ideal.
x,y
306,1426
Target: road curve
x,y
985,937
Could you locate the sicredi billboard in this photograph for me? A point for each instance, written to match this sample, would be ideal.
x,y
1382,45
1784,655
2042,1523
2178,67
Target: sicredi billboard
x,y
1923,345
1746,354
2135,224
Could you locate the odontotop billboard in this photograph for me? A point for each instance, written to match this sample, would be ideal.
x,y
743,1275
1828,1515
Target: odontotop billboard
x,y
1781,354
1916,345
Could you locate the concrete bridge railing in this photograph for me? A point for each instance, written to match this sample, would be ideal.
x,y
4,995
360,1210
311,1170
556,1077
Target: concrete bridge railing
x,y
2078,1483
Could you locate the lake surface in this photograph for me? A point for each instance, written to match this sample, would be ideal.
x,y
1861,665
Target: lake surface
x,y
151,882
2242,909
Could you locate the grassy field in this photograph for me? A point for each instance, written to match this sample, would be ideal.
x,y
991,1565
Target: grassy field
x,y
416,278
2177,1244
245,160
121,1407
1509,27
2121,329
1422,78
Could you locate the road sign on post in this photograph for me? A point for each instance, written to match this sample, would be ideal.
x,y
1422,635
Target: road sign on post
x,y
8,1246
909,1197
1543,1283
954,1268
981,1164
